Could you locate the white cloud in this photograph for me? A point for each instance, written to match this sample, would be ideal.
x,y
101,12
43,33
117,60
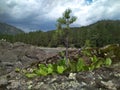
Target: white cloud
x,y
40,11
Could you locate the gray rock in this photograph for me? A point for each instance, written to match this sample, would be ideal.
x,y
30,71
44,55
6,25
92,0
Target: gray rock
x,y
22,55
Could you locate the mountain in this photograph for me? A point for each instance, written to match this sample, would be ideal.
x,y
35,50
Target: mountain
x,y
98,34
9,29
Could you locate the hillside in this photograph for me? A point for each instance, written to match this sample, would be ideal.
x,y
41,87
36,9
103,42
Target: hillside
x,y
9,29
98,34
106,31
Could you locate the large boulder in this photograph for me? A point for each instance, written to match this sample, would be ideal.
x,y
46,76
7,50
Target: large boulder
x,y
18,55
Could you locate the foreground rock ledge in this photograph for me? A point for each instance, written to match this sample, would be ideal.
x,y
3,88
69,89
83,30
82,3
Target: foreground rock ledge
x,y
99,79
22,55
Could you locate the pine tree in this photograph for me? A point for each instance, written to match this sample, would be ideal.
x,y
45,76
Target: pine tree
x,y
64,23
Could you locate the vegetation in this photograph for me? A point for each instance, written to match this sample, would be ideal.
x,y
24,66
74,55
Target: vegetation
x,y
97,35
65,22
74,66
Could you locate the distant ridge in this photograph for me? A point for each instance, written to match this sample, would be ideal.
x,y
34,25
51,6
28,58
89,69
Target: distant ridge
x,y
99,34
9,29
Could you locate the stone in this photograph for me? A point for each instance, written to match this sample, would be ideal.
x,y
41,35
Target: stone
x,y
109,85
72,76
24,56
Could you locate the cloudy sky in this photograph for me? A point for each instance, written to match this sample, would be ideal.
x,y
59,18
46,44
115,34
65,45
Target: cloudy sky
x,y
31,15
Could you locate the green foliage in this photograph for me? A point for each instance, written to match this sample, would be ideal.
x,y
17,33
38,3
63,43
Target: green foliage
x,y
80,65
99,34
30,75
44,70
73,66
108,62
61,66
94,59
87,43
17,69
98,64
65,22
62,62
61,69
50,68
62,54
86,52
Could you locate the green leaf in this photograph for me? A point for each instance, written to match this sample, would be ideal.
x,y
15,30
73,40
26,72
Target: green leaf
x,y
37,71
108,62
50,69
62,62
60,69
17,69
94,59
30,75
80,65
98,64
42,70
72,66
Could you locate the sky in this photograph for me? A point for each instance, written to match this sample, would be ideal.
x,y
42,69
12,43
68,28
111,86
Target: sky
x,y
32,15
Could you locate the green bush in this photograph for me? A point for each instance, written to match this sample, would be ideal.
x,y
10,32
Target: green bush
x,y
74,66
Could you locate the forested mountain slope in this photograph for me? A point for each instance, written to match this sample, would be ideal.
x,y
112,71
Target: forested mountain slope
x,y
98,34
9,29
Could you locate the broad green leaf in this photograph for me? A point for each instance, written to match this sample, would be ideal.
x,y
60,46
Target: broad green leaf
x,y
43,72
80,65
94,59
50,69
108,62
60,69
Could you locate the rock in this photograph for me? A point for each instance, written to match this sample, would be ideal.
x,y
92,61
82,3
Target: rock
x,y
8,56
109,85
3,80
4,44
72,76
22,55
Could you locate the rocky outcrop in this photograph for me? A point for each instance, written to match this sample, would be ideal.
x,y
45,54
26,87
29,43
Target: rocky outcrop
x,y
99,79
20,55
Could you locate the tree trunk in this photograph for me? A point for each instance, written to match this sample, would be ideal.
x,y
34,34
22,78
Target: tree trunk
x,y
67,51
67,62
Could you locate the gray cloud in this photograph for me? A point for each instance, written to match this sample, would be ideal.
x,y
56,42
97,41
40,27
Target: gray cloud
x,y
42,14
